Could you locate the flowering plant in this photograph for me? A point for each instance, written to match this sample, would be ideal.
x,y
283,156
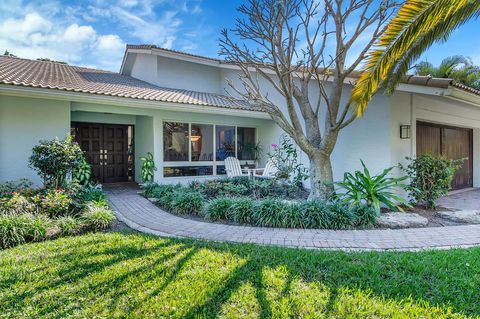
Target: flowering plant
x,y
285,158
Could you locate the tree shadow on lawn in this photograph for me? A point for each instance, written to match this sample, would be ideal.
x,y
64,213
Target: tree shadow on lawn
x,y
286,281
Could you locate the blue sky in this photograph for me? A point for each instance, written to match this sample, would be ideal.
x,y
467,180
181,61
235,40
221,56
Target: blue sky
x,y
94,32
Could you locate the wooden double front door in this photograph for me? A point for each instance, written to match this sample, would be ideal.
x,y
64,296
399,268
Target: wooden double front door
x,y
451,142
106,148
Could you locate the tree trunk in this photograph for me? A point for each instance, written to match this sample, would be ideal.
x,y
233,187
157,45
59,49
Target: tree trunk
x,y
321,176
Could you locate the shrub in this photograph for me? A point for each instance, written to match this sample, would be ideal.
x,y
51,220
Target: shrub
x,y
365,216
10,187
55,203
90,193
68,225
96,217
17,204
54,160
187,202
430,177
148,189
361,188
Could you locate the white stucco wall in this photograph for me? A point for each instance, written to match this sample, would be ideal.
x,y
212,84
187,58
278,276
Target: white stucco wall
x,y
408,108
170,73
23,123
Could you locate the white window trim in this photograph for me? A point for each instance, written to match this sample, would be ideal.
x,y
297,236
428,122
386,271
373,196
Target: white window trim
x,y
214,163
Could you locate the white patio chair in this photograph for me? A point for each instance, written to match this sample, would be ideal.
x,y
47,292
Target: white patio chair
x,y
233,168
269,171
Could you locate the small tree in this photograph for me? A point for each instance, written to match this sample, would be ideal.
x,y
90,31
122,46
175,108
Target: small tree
x,y
298,46
54,160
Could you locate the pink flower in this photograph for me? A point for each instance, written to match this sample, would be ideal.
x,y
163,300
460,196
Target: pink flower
x,y
274,146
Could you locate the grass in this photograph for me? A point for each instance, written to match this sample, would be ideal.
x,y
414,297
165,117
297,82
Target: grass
x,y
138,276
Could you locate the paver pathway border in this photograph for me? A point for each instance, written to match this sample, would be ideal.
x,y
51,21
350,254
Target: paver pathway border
x,y
140,214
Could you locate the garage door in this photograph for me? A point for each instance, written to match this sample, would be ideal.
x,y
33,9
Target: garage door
x,y
451,142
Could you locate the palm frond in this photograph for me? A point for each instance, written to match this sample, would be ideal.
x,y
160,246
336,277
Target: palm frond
x,y
417,25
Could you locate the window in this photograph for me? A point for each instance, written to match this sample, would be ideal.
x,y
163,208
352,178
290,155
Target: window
x,y
246,144
187,171
175,142
193,149
201,137
225,142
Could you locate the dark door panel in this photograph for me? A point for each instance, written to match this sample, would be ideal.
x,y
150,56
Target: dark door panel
x,y
451,142
106,150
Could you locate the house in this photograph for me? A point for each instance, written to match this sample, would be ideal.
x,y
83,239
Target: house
x,y
179,107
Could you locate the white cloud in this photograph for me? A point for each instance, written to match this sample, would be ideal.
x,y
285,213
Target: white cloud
x,y
110,42
94,32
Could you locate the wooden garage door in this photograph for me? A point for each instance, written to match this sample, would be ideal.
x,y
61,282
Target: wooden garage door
x,y
451,142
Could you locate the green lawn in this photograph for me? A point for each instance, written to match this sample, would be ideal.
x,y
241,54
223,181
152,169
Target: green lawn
x,y
139,276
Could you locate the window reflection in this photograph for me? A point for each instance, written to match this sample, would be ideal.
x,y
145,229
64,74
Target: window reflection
x,y
175,141
225,138
246,143
202,142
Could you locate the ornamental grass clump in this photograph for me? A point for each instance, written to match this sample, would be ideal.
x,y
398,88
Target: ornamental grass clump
x,y
219,209
187,202
95,217
68,225
16,229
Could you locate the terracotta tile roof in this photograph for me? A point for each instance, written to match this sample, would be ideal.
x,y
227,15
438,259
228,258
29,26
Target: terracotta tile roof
x,y
51,75
428,81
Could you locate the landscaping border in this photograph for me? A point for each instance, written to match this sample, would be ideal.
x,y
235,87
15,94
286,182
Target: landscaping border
x,y
140,214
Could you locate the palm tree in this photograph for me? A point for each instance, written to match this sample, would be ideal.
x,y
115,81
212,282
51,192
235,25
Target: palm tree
x,y
456,67
417,25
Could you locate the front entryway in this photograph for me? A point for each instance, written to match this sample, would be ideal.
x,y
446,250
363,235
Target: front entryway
x,y
451,142
109,150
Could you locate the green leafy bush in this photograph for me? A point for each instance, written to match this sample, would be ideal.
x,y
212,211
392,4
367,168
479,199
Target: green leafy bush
x,y
148,168
365,216
148,188
361,188
96,217
83,172
55,203
430,177
17,186
54,160
68,225
90,193
187,202
18,204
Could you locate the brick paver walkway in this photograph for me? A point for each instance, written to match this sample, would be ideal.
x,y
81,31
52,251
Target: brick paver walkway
x,y
140,214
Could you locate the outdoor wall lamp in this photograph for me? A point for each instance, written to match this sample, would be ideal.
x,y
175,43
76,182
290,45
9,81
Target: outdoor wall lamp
x,y
405,131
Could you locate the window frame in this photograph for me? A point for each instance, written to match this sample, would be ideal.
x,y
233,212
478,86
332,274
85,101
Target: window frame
x,y
214,163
